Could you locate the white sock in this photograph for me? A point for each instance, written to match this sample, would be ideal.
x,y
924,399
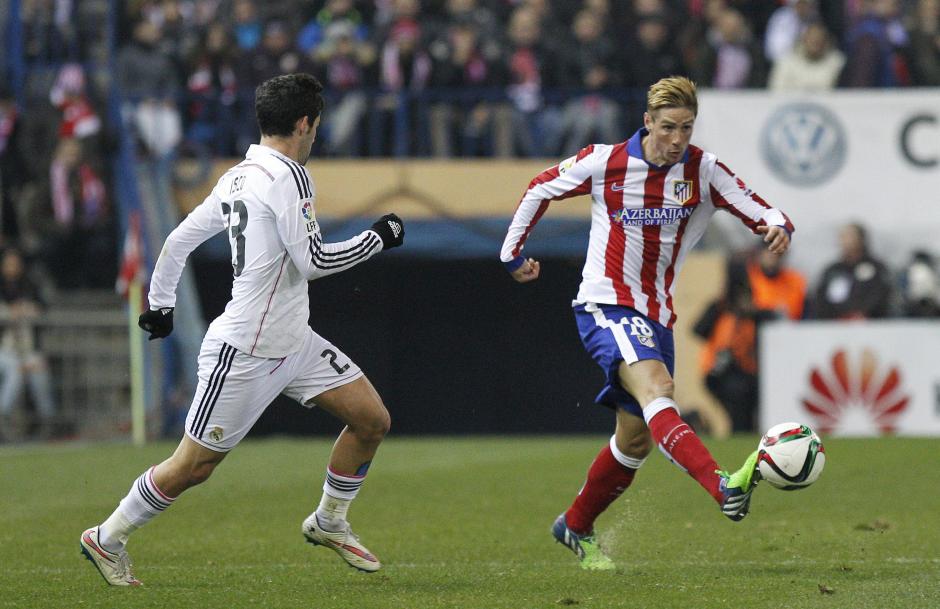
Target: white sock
x,y
338,492
140,506
331,514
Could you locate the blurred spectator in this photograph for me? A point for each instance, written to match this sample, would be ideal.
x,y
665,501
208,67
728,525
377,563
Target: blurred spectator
x,y
13,170
590,66
693,36
857,286
874,47
143,70
921,286
47,29
478,16
786,27
80,239
213,89
179,34
405,67
205,12
78,194
652,53
776,288
149,84
246,25
527,64
314,34
21,306
732,59
277,55
814,65
728,359
925,44
480,126
68,95
756,14
343,62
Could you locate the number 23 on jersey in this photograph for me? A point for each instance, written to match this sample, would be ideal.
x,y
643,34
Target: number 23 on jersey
x,y
236,219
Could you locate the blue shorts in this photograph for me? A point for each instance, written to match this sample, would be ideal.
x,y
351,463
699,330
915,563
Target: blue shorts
x,y
613,334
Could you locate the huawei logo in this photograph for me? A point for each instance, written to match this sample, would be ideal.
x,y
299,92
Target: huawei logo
x,y
855,397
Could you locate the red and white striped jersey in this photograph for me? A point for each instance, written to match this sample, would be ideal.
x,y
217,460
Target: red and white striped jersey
x,y
265,205
644,219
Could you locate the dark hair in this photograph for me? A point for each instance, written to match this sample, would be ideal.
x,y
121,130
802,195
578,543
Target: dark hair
x,y
862,233
283,100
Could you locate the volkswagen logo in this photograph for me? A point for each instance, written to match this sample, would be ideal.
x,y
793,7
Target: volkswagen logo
x,y
804,144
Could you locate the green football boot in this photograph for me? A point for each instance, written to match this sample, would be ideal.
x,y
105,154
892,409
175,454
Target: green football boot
x,y
585,547
737,488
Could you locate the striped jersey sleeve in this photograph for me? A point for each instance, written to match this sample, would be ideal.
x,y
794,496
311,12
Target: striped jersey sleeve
x,y
729,193
570,178
300,232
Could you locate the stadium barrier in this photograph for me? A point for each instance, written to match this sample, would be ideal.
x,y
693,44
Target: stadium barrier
x,y
457,347
85,346
864,378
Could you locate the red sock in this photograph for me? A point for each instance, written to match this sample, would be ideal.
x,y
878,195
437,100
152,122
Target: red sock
x,y
607,479
685,449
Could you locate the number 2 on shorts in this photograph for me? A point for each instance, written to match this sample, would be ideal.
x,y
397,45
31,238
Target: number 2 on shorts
x,y
332,356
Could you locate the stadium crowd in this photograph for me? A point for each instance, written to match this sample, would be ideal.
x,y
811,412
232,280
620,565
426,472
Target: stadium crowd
x,y
442,78
485,77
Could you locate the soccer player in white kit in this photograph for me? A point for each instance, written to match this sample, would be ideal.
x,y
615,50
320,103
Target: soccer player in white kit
x,y
652,197
261,345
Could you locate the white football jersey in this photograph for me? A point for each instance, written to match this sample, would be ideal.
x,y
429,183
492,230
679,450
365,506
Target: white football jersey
x,y
265,204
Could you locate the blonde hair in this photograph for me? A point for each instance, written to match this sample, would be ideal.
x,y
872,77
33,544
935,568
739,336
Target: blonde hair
x,y
672,92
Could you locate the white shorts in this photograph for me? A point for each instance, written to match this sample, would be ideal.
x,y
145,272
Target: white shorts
x,y
235,388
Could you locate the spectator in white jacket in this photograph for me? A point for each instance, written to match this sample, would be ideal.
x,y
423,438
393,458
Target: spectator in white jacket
x,y
814,65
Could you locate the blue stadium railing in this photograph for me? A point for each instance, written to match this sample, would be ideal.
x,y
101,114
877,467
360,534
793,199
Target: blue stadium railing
x,y
397,124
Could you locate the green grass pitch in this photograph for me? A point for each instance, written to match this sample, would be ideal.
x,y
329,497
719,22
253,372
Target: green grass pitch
x,y
463,523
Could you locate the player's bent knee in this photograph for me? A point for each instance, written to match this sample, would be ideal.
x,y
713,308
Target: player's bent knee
x,y
375,425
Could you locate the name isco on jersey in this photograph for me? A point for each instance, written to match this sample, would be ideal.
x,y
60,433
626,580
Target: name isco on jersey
x,y
652,216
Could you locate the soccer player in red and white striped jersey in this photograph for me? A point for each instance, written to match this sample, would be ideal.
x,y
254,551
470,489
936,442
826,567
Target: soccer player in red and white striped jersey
x,y
652,197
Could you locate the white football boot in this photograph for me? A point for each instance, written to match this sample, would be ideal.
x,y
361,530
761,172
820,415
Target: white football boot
x,y
345,543
114,568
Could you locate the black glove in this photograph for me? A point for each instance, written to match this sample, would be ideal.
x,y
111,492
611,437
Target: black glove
x,y
159,322
391,230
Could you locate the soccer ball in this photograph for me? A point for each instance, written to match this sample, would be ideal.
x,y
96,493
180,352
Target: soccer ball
x,y
790,456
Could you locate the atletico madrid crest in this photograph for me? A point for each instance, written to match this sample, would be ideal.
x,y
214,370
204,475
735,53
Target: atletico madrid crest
x,y
682,191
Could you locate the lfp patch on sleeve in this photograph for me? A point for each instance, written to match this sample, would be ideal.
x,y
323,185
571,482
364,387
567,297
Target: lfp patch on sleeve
x,y
307,211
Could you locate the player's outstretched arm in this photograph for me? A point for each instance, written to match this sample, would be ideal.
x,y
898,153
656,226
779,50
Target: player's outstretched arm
x,y
777,238
730,193
315,258
201,224
527,271
570,178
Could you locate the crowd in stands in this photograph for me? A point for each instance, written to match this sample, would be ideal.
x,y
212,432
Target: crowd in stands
x,y
503,77
486,77
443,78
759,287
